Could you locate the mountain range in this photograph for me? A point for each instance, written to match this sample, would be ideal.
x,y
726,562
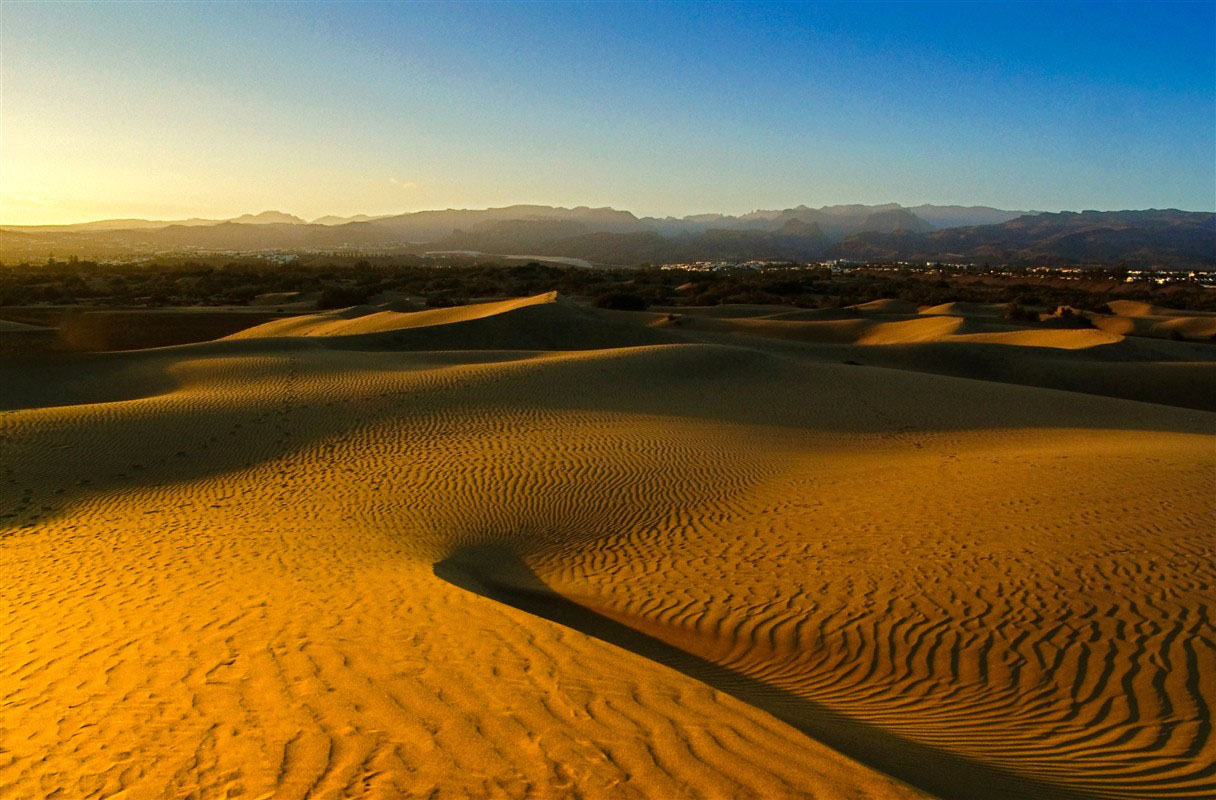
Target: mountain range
x,y
612,236
1100,237
430,225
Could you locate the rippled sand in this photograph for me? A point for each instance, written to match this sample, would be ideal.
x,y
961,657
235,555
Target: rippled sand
x,y
536,550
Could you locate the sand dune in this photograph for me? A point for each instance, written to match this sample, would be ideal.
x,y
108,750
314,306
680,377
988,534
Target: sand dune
x,y
8,326
1130,319
378,319
1087,360
961,309
544,322
918,329
887,306
1133,308
1201,327
529,549
1065,339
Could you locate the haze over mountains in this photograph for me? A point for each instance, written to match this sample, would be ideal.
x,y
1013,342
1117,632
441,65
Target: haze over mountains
x,y
612,236
427,225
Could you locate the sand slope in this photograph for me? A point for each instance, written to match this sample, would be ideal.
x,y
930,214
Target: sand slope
x,y
970,343
546,321
961,309
904,329
691,565
8,326
378,319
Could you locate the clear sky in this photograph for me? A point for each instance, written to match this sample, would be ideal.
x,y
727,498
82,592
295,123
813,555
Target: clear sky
x,y
195,109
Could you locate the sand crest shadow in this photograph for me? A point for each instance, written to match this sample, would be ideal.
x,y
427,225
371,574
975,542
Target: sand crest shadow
x,y
498,573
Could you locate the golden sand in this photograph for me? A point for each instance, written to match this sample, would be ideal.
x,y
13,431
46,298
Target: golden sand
x,y
529,549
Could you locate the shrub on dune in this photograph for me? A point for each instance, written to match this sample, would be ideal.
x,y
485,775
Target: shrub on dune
x,y
621,301
342,297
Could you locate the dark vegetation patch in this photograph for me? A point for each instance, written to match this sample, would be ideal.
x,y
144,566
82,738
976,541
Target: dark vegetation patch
x,y
333,282
621,301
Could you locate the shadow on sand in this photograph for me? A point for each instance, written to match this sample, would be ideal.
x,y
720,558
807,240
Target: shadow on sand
x,y
498,573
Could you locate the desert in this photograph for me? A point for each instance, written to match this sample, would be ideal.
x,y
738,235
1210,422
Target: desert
x,y
566,400
531,548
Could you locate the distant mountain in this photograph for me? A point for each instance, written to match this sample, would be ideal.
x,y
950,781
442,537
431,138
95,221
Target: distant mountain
x,y
428,226
961,216
26,243
796,240
332,220
267,218
840,221
835,222
512,236
610,236
895,220
857,210
114,225
1130,238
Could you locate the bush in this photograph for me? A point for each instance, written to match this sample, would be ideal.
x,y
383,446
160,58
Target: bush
x,y
1068,317
342,297
1015,312
621,301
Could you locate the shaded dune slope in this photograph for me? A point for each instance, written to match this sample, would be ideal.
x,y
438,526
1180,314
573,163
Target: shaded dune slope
x,y
968,342
358,563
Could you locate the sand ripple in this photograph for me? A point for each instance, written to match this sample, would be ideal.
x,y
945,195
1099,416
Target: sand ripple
x,y
331,568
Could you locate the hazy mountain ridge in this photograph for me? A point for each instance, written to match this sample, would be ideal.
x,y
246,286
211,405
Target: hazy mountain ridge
x,y
264,218
612,236
428,226
330,219
837,222
519,228
434,224
1165,236
795,240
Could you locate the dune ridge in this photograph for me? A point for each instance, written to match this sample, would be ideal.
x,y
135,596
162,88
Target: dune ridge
x,y
430,557
378,319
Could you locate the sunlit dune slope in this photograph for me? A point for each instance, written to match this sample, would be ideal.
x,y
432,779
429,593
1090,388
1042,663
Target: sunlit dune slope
x,y
1065,339
693,563
961,309
899,330
546,322
1133,308
1142,319
972,344
888,306
376,319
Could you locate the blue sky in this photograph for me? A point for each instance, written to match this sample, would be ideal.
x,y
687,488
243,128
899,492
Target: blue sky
x,y
181,109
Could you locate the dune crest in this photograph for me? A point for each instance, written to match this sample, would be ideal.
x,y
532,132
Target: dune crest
x,y
379,319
